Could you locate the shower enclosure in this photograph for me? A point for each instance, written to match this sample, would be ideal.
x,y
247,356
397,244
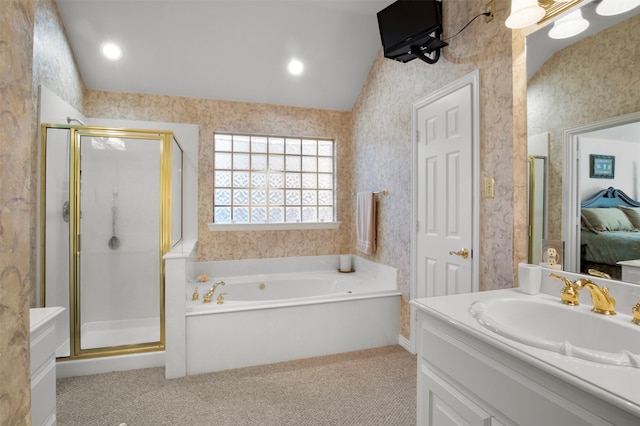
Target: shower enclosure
x,y
111,207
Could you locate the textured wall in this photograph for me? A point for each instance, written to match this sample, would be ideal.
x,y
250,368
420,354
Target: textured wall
x,y
594,79
382,140
16,136
224,116
54,65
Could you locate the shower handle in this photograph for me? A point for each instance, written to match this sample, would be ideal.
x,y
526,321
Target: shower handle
x,y
65,211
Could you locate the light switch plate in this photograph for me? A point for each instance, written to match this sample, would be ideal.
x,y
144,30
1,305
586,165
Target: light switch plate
x,y
489,188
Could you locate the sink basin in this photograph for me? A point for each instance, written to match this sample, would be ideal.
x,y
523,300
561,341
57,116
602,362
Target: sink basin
x,y
569,330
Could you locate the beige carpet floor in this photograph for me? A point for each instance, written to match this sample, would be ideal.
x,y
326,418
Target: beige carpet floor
x,y
371,387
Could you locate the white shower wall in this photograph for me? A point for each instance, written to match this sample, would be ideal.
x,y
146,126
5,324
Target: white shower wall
x,y
57,255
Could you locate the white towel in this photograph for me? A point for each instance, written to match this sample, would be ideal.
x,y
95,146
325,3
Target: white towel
x,y
366,222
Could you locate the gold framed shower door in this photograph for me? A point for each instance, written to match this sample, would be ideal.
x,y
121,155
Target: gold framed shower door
x,y
165,141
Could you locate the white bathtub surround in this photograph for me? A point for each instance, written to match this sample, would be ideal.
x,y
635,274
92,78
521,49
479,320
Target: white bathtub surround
x,y
176,263
459,358
357,311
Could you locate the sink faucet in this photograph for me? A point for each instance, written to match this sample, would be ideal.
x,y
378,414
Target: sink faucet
x,y
569,294
635,311
207,297
597,273
603,303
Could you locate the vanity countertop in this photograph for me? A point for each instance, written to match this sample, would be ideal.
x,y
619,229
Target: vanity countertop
x,y
39,317
617,385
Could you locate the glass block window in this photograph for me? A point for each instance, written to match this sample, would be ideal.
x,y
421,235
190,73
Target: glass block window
x,y
268,179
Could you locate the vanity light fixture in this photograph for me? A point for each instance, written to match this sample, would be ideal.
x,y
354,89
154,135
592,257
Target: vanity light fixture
x,y
111,51
616,7
569,25
524,13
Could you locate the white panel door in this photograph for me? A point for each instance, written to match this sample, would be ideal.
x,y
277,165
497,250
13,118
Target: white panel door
x,y
445,195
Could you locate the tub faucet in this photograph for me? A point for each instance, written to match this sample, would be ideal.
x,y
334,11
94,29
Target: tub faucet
x,y
209,295
603,303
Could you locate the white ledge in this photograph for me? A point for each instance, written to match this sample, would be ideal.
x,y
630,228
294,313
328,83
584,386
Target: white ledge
x,y
217,227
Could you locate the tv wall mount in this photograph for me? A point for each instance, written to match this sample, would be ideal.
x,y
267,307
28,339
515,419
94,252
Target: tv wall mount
x,y
429,51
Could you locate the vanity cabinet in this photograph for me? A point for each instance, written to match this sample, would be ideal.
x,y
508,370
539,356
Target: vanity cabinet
x,y
463,379
43,365
444,405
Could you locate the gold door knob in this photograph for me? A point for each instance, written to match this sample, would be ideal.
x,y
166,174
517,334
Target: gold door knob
x,y
464,253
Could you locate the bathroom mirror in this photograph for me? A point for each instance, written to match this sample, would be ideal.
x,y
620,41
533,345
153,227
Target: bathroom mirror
x,y
571,93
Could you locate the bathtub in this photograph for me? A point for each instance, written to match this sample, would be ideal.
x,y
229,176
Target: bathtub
x,y
279,315
285,289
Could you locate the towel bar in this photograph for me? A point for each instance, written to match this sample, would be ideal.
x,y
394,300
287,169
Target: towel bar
x,y
384,192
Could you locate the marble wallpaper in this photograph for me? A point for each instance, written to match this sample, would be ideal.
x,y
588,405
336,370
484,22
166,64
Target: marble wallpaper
x,y
382,143
16,254
54,65
591,80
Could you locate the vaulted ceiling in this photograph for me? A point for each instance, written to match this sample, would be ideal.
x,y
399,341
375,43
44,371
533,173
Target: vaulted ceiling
x,y
234,50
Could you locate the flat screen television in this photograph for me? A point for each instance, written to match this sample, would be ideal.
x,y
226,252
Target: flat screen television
x,y
410,25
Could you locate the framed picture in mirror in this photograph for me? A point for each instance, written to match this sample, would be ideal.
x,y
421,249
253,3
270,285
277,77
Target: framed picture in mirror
x,y
602,166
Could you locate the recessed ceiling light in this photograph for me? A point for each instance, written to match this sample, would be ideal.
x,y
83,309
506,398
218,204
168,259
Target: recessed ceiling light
x,y
111,51
295,67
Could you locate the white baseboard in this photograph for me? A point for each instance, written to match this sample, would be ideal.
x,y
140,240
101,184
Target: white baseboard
x,y
405,343
83,367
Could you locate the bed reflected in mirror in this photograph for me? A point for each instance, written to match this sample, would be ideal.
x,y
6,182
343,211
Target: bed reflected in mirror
x,y
609,232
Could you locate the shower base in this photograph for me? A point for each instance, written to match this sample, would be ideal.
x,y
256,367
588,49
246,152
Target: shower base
x,y
104,334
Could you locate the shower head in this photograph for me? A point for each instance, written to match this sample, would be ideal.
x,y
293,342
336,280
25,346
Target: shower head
x,y
69,120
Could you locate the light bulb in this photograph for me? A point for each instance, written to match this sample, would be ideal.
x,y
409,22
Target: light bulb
x,y
524,13
569,25
616,7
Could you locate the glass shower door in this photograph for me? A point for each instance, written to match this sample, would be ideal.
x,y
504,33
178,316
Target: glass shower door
x,y
119,245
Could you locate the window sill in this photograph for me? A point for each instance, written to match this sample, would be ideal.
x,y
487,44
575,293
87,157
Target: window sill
x,y
221,227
